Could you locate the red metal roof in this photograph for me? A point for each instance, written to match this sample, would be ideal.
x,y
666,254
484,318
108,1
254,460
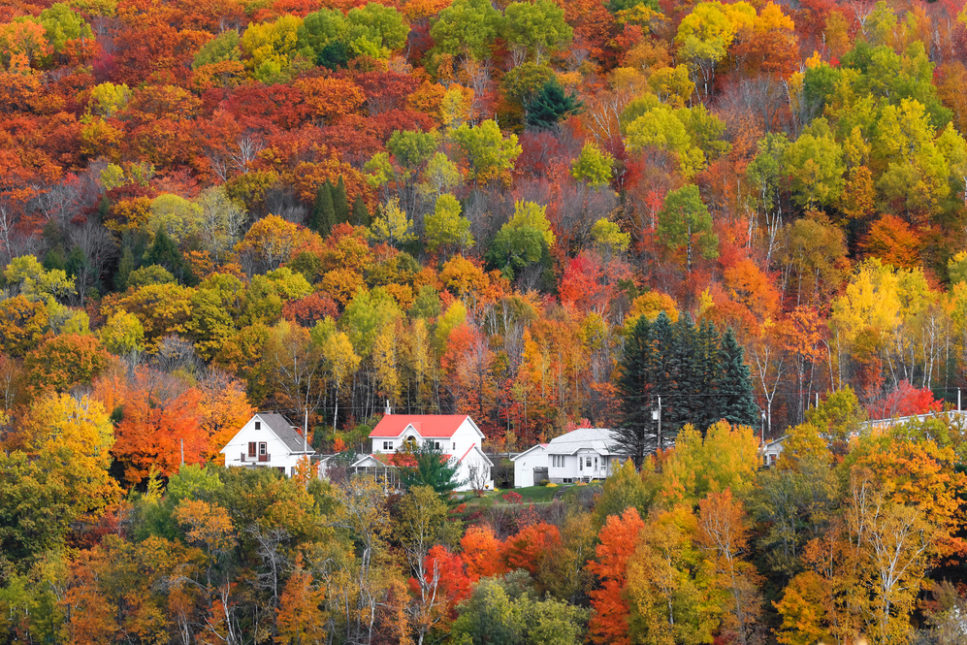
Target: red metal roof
x,y
435,426
401,459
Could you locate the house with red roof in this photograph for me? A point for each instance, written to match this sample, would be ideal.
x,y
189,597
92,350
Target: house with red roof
x,y
456,436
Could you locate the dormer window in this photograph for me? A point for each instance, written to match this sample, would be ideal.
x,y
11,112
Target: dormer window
x,y
258,425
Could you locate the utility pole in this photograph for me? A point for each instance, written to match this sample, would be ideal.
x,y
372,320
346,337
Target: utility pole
x,y
305,431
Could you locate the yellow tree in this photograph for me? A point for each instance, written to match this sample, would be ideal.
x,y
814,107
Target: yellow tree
x,y
71,438
722,532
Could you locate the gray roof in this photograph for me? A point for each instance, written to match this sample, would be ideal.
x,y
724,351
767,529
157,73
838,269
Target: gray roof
x,y
285,431
601,440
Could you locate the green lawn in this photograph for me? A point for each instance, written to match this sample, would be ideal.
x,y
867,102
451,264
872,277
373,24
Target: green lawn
x,y
529,495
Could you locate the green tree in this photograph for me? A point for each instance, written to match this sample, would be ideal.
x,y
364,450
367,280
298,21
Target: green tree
x,y
733,389
222,47
814,165
489,155
624,488
523,241
164,252
340,203
537,28
63,25
430,468
466,28
593,166
361,216
498,614
323,215
375,30
685,223
549,105
392,225
445,228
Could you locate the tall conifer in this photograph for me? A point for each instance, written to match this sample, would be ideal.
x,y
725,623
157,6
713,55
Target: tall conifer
x,y
339,203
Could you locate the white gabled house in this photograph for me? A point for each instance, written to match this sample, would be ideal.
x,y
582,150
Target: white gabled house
x,y
580,455
267,440
456,436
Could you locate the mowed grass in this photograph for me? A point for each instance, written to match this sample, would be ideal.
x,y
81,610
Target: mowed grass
x,y
528,495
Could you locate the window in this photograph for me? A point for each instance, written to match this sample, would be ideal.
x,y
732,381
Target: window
x,y
454,445
387,445
557,461
263,449
251,448
588,462
258,425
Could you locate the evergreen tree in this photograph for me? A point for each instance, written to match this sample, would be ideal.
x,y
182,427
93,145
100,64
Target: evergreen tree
x,y
710,361
636,434
361,216
323,215
682,379
164,252
431,468
126,265
736,402
550,105
339,203
698,376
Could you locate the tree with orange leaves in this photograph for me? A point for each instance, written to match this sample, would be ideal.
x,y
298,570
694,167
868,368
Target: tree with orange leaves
x,y
481,553
160,427
300,618
610,612
529,546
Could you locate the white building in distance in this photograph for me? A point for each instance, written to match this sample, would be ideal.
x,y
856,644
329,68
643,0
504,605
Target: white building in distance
x,y
580,455
267,440
456,436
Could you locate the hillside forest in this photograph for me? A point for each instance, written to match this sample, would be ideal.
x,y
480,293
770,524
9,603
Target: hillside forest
x,y
540,213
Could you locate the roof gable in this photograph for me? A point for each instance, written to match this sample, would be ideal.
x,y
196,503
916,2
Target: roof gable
x,y
600,440
278,425
430,426
538,446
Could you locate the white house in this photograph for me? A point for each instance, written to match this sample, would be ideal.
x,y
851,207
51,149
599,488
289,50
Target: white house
x,y
267,440
456,436
530,466
580,455
770,451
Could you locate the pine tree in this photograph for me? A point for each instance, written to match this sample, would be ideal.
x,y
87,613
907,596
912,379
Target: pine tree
x,y
636,434
736,402
164,252
339,202
683,380
126,265
361,216
710,361
323,215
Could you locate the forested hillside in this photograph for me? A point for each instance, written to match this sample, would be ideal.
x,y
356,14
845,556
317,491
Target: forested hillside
x,y
327,207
